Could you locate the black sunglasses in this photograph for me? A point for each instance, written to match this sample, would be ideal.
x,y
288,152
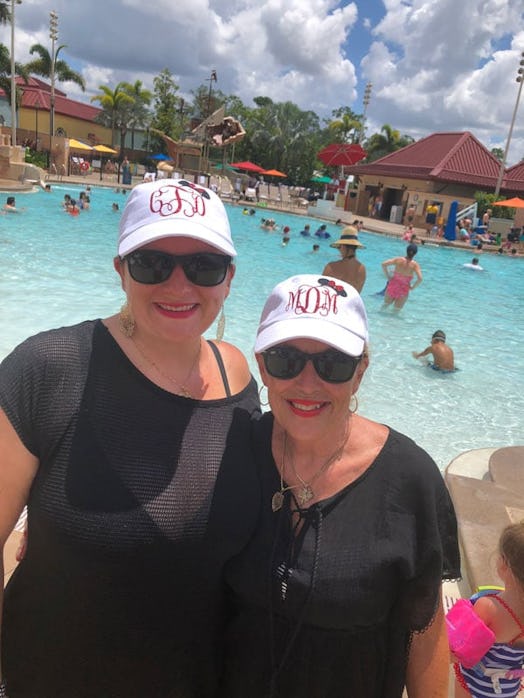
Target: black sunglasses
x,y
332,366
155,267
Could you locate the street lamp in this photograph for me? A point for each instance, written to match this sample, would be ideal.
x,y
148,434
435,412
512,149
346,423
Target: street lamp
x,y
365,101
519,79
37,109
53,35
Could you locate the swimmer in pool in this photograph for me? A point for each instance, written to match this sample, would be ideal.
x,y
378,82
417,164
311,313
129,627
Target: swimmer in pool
x,y
442,354
474,264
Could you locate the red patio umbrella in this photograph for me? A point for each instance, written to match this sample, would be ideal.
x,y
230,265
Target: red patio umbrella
x,y
248,166
342,154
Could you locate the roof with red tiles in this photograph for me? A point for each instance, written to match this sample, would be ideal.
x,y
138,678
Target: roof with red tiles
x,y
36,91
514,179
447,157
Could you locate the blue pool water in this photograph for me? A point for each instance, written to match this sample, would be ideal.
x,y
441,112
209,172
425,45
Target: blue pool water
x,y
57,270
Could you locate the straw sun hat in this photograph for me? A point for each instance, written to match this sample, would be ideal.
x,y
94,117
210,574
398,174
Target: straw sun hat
x,y
349,236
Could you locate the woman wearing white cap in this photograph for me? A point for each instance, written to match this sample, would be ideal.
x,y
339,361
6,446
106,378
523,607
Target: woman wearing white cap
x,y
348,269
128,438
338,594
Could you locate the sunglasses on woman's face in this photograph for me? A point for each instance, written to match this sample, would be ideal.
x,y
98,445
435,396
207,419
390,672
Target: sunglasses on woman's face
x,y
155,267
332,366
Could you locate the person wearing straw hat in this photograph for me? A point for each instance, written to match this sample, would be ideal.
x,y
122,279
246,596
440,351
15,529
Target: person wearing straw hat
x,y
348,269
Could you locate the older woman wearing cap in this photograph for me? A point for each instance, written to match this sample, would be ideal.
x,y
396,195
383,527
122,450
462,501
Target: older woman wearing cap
x,y
339,592
128,439
348,269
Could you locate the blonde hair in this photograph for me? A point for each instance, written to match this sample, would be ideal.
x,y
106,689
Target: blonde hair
x,y
511,549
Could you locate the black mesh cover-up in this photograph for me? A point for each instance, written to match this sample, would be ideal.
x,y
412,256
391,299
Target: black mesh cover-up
x,y
329,612
140,498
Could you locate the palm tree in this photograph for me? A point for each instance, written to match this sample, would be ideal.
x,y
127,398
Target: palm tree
x,y
387,141
44,66
138,110
5,12
347,126
116,109
5,75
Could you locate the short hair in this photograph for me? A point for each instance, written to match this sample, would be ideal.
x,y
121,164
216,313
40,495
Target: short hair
x,y
439,336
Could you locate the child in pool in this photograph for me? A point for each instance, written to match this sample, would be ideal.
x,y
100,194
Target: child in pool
x,y
503,613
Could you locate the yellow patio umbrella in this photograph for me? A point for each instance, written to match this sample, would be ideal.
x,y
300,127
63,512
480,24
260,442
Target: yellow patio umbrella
x,y
105,149
78,145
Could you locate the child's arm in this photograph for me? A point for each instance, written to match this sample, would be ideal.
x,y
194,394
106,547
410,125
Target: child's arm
x,y
427,350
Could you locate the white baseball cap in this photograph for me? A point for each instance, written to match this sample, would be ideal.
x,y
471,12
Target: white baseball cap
x,y
174,208
310,306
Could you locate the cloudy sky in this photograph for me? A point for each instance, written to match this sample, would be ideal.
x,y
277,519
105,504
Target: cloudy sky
x,y
434,65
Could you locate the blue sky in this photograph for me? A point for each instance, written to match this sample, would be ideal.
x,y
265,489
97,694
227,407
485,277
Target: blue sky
x,y
435,65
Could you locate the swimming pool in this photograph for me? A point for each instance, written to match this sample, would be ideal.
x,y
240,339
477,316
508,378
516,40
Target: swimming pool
x,y
57,270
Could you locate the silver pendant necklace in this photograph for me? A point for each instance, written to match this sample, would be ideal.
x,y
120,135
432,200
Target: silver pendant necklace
x,y
305,490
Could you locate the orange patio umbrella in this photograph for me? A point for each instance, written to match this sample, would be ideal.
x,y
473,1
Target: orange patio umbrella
x,y
274,173
515,202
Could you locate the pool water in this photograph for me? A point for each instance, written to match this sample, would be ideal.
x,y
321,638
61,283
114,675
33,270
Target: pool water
x,y
57,270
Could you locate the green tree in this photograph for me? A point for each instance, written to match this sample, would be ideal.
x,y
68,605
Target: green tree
x,y
138,110
43,65
387,141
168,111
498,153
346,126
5,75
5,11
116,109
206,101
282,136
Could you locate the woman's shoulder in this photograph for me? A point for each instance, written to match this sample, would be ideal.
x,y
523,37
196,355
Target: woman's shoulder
x,y
235,364
57,342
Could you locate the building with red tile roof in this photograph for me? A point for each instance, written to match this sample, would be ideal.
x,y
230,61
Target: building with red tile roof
x,y
438,169
73,119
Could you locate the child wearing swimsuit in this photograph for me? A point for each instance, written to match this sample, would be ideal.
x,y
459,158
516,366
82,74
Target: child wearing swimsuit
x,y
500,671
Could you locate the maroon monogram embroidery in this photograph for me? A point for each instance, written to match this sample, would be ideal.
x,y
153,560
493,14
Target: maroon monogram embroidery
x,y
312,300
171,199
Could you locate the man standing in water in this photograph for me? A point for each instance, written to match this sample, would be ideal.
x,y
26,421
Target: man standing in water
x,y
347,269
399,282
443,359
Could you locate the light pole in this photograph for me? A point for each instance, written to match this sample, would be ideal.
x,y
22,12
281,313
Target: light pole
x,y
53,35
365,101
13,77
519,78
37,109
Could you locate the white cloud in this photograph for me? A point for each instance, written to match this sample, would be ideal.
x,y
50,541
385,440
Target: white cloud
x,y
434,64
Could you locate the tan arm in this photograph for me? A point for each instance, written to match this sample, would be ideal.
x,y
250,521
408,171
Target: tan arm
x,y
427,350
428,663
419,277
386,264
17,469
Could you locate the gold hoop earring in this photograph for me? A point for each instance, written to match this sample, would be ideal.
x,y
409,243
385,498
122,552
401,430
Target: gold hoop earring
x,y
126,321
355,408
221,325
263,404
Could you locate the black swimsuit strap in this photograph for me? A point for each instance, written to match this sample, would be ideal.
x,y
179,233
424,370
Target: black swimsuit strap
x,y
222,368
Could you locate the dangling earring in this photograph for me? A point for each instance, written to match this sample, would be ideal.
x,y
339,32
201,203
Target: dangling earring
x,y
355,408
221,325
264,404
126,321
